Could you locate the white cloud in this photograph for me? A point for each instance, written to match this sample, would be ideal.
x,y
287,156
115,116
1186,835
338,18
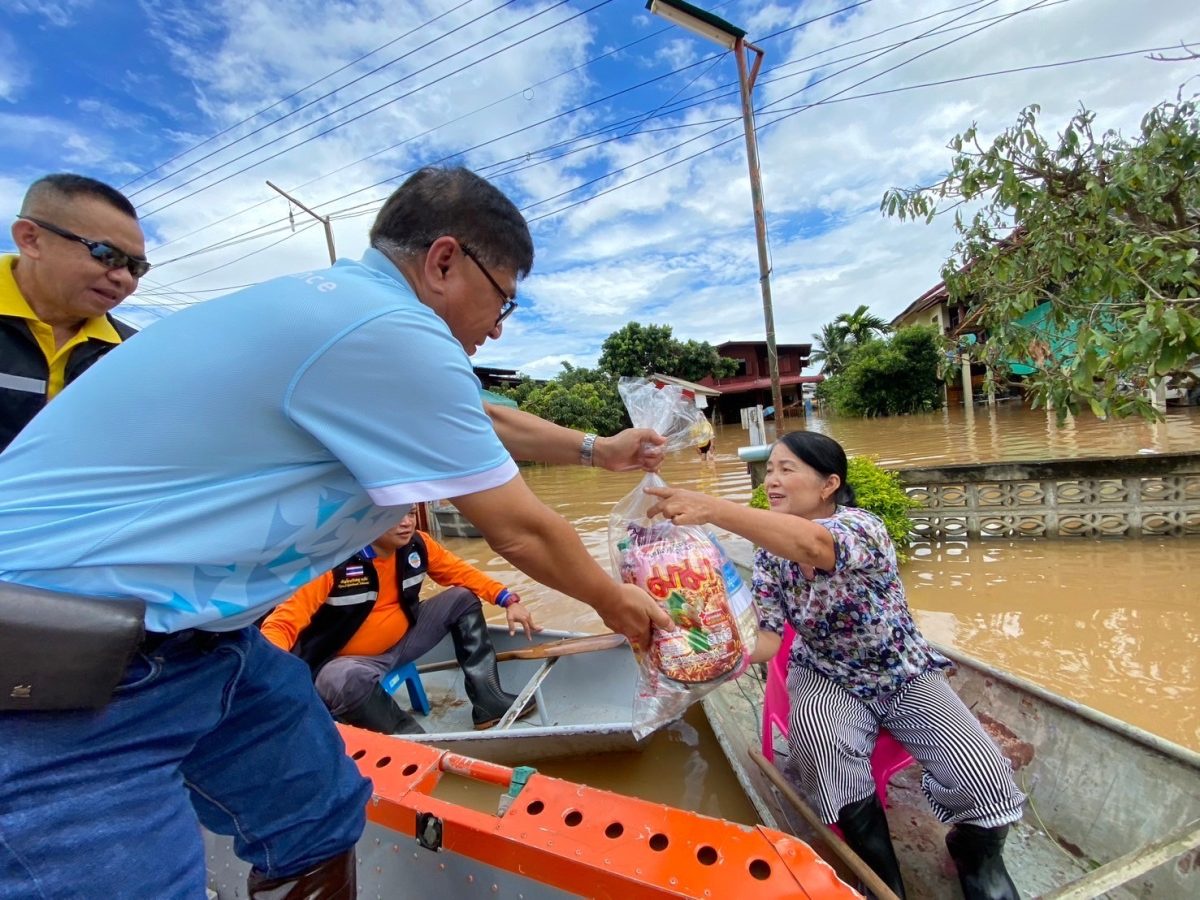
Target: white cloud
x,y
59,13
13,74
676,247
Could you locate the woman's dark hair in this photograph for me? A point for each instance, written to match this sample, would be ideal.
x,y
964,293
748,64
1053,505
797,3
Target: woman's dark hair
x,y
455,202
826,456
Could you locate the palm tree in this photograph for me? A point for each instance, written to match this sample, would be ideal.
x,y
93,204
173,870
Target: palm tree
x,y
831,348
859,325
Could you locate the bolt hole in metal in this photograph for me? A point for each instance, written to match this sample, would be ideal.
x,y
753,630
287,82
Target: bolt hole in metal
x,y
760,869
410,768
358,754
659,842
573,818
615,830
383,761
707,855
535,807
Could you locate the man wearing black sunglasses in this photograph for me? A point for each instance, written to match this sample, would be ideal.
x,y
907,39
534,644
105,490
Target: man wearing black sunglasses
x,y
80,253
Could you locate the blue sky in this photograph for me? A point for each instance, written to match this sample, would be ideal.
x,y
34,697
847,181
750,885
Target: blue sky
x,y
617,131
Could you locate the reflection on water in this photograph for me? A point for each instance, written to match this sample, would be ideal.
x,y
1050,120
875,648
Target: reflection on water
x,y
1113,624
681,765
1005,432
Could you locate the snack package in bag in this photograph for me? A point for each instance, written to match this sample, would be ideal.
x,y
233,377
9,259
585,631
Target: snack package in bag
x,y
685,569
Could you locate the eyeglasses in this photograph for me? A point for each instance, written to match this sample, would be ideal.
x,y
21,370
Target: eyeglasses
x,y
105,254
507,303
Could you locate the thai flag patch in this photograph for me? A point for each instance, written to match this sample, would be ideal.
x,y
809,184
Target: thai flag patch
x,y
354,571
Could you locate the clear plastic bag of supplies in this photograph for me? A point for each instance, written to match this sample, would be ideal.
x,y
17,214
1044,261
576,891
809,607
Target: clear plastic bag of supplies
x,y
685,569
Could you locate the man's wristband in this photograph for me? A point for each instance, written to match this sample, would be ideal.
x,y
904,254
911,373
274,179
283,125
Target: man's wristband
x,y
585,452
506,597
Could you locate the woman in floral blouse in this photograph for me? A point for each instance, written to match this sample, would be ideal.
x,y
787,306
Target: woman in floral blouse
x,y
859,664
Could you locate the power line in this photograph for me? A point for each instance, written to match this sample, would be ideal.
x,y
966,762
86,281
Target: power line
x,y
775,121
368,112
719,127
997,72
425,133
286,237
350,211
789,113
251,232
293,95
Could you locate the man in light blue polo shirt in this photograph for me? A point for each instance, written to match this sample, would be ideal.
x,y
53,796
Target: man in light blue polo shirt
x,y
234,452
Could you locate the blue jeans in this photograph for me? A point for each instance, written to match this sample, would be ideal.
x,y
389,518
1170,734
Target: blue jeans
x,y
220,730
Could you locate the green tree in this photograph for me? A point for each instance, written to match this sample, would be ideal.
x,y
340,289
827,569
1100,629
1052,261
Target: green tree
x,y
831,348
696,359
861,325
581,398
888,377
1101,231
640,350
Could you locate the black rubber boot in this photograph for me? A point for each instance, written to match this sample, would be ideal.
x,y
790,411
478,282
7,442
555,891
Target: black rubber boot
x,y
380,713
333,879
977,854
477,659
865,828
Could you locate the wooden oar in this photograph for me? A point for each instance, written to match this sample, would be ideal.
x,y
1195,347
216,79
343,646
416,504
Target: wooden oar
x,y
566,647
870,880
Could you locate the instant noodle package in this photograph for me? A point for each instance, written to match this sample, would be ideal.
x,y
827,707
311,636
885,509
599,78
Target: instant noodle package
x,y
687,578
685,569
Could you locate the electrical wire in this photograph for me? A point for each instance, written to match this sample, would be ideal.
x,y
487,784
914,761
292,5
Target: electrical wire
x,y
787,113
294,94
525,156
370,111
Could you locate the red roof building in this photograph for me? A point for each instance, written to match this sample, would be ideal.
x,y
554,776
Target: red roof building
x,y
751,384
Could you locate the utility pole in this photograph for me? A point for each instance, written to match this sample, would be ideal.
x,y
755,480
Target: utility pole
x,y
324,220
760,219
704,24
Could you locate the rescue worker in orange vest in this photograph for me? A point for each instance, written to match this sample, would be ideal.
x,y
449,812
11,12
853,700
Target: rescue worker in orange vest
x,y
356,623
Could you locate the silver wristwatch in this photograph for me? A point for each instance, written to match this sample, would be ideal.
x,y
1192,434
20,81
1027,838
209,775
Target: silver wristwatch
x,y
585,451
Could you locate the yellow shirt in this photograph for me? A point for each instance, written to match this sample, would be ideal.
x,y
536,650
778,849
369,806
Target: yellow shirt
x,y
13,303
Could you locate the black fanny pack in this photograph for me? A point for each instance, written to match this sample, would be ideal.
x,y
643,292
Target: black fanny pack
x,y
61,651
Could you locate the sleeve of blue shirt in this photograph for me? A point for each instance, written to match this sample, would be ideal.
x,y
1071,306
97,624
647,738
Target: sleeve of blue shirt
x,y
395,400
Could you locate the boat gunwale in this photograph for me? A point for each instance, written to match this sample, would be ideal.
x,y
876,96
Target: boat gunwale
x,y
1124,729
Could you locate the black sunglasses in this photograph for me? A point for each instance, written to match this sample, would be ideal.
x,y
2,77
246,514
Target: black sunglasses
x,y
105,254
507,303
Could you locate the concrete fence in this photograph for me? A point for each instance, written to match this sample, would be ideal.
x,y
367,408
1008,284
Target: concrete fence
x,y
1125,496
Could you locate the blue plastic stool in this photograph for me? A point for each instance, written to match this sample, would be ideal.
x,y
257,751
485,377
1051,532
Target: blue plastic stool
x,y
407,675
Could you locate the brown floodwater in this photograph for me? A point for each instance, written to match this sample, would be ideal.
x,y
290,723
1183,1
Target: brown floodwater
x,y
1114,624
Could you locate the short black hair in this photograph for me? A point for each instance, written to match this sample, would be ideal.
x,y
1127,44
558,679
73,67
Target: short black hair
x,y
826,456
67,184
437,201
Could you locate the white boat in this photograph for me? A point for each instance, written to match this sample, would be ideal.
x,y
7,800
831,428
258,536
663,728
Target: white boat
x,y
584,702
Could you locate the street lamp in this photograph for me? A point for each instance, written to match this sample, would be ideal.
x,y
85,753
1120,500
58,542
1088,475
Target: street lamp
x,y
720,32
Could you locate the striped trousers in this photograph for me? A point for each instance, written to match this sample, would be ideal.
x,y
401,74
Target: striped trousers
x,y
831,734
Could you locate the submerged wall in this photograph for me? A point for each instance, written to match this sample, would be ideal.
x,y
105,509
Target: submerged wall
x,y
1153,495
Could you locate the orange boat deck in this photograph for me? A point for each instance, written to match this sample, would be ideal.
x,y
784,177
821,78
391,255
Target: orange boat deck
x,y
556,838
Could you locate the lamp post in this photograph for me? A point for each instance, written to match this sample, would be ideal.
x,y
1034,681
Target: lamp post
x,y
708,26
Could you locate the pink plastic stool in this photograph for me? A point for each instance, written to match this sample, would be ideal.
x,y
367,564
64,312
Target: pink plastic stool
x,y
888,757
